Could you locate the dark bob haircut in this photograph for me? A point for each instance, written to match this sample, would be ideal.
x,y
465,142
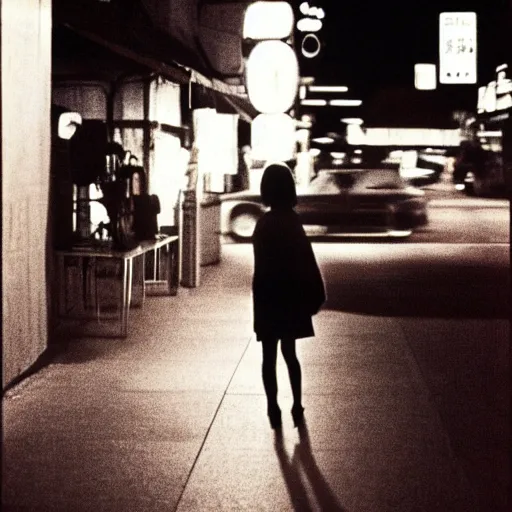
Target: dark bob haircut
x,y
278,187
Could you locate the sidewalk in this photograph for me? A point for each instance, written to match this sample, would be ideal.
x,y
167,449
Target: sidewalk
x,y
174,417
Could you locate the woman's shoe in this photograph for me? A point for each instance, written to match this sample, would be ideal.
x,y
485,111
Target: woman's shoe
x,y
274,416
298,415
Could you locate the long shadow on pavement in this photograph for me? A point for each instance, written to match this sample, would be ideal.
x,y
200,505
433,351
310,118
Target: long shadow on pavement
x,y
303,459
433,290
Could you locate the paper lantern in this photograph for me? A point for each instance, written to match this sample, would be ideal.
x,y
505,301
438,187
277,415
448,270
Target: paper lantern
x,y
268,20
273,137
272,77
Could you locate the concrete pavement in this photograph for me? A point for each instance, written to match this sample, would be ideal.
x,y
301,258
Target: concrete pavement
x,y
174,417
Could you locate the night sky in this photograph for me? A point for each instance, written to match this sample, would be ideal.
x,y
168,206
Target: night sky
x,y
369,43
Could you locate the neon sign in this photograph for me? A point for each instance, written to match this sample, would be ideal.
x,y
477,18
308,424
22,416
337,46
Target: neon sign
x,y
309,25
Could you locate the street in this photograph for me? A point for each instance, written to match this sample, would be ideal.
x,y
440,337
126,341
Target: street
x,y
448,287
406,387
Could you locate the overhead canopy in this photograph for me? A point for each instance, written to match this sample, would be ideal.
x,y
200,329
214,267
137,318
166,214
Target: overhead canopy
x,y
127,30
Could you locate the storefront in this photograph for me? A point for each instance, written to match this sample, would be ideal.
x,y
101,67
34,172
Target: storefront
x,y
127,85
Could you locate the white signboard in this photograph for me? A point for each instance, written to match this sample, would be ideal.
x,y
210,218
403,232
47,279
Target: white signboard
x,y
457,48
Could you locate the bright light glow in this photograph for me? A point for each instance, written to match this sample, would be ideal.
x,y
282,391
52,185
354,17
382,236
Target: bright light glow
x,y
355,135
358,151
415,172
481,98
328,88
307,80
98,212
337,161
268,20
303,170
337,154
400,233
394,157
314,152
312,11
345,103
273,137
412,137
490,133
216,155
272,78
425,77
457,47
302,92
503,84
302,135
310,46
309,25
304,122
314,103
489,97
460,186
352,120
68,123
323,140
409,161
504,102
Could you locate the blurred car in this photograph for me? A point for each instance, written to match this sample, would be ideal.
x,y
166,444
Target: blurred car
x,y
478,171
350,201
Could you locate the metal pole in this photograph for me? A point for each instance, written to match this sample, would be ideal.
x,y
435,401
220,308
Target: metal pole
x,y
190,230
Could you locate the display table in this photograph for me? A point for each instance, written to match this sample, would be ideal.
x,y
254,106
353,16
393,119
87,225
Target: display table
x,y
97,262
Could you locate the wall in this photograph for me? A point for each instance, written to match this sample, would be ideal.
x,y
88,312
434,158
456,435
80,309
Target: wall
x,y
89,99
26,98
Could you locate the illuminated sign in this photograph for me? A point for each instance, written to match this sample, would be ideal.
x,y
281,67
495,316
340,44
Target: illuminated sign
x,y
497,94
457,48
310,46
310,24
425,77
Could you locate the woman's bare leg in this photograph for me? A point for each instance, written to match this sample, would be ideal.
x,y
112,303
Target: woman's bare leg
x,y
268,370
294,371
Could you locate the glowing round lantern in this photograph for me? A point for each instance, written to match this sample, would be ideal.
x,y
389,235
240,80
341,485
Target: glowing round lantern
x,y
273,137
268,20
272,77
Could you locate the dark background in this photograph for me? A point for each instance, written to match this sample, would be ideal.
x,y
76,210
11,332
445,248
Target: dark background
x,y
372,48
368,44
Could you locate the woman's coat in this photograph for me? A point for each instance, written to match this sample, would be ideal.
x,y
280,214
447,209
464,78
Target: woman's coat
x,y
287,285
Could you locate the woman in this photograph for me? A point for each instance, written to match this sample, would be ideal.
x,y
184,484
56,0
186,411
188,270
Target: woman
x,y
287,286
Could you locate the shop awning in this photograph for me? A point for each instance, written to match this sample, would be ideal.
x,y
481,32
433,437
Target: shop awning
x,y
126,30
